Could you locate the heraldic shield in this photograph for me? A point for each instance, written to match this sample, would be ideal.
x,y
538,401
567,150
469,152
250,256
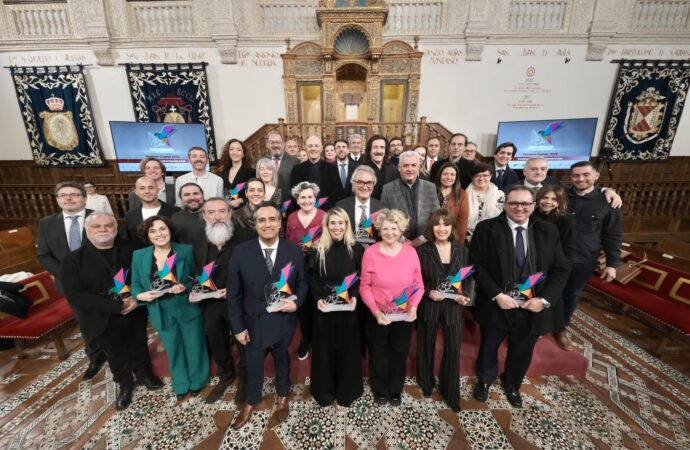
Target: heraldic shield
x,y
643,119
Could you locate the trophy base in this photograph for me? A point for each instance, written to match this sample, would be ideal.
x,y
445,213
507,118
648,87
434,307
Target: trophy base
x,y
397,317
341,307
365,240
448,295
196,298
279,304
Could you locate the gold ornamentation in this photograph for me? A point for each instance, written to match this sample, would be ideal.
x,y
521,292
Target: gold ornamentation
x,y
59,130
676,287
655,287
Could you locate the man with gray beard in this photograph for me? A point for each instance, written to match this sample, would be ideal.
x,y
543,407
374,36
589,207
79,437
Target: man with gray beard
x,y
215,245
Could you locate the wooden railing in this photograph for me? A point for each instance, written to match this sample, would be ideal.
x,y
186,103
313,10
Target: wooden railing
x,y
410,132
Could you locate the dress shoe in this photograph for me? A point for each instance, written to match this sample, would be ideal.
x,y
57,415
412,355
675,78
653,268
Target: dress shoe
x,y
381,399
124,399
283,409
152,382
426,394
395,400
219,390
243,417
481,391
303,351
241,394
563,340
513,396
94,366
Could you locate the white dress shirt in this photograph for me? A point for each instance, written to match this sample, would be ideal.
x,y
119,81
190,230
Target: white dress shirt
x,y
358,210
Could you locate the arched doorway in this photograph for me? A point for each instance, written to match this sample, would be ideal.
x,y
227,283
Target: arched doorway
x,y
352,98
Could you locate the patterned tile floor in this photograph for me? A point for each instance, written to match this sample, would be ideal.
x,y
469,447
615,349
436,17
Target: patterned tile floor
x,y
628,400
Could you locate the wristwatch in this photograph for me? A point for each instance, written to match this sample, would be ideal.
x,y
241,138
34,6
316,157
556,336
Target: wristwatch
x,y
545,303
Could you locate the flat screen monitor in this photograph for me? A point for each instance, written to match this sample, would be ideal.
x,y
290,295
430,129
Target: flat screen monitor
x,y
168,142
562,142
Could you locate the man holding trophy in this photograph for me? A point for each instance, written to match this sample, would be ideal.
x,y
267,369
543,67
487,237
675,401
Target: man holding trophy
x,y
266,284
520,270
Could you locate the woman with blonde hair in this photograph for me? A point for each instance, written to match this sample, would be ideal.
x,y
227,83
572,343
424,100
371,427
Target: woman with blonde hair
x,y
391,285
336,366
267,172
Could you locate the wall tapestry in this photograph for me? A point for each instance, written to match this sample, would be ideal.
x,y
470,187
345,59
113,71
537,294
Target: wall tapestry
x,y
56,110
645,110
173,93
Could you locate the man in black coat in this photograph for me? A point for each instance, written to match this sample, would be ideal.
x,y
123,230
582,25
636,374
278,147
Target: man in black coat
x,y
254,266
458,142
146,190
315,170
58,235
345,165
96,285
284,162
188,222
501,174
505,251
360,206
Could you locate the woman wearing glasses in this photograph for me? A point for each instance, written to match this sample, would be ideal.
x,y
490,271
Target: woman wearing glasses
x,y
485,199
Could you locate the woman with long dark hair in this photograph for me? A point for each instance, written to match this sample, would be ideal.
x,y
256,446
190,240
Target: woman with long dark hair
x,y
235,168
453,197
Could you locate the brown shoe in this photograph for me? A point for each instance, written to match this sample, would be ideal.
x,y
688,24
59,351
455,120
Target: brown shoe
x,y
243,417
283,409
563,340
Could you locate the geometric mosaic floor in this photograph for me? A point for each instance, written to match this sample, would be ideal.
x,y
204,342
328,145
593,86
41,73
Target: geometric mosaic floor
x,y
628,400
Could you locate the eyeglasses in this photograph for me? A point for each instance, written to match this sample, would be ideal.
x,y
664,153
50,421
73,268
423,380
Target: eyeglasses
x,y
516,205
364,183
72,195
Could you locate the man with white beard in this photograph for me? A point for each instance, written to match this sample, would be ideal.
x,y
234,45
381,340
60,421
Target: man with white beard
x,y
215,245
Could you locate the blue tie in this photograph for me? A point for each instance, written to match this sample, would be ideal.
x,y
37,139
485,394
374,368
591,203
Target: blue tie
x,y
74,234
343,175
519,252
499,174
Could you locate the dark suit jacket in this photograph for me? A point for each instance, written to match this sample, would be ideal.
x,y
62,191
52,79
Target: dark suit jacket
x,y
427,202
348,204
52,245
287,163
433,274
329,185
87,278
133,219
242,176
464,168
351,166
509,177
493,253
548,181
247,277
386,174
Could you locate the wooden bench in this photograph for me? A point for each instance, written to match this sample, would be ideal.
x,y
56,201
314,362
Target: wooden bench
x,y
49,316
661,292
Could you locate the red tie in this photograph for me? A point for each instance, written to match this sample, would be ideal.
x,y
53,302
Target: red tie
x,y
277,161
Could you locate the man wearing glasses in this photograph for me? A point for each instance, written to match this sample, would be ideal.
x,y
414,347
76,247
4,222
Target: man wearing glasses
x,y
58,235
506,251
361,205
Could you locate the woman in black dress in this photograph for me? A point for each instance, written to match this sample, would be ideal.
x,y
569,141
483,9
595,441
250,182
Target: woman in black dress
x,y
336,367
552,206
440,257
235,168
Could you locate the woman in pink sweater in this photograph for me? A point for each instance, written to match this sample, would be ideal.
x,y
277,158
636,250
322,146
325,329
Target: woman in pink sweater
x,y
391,286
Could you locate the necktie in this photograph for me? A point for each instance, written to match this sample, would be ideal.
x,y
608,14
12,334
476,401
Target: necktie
x,y
499,174
431,164
364,217
534,190
269,262
277,161
519,252
343,175
74,234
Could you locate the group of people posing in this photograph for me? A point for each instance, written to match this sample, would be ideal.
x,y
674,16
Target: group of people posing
x,y
359,251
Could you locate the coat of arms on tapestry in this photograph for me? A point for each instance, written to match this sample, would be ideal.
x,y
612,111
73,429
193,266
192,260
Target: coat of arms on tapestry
x,y
56,110
172,93
645,110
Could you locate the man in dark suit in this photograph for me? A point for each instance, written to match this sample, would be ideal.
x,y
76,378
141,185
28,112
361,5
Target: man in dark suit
x,y
355,148
110,315
502,175
506,250
58,235
254,267
215,244
346,166
456,147
146,190
317,171
284,162
415,197
360,206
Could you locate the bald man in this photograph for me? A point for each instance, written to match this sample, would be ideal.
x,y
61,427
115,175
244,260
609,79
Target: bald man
x,y
146,191
315,170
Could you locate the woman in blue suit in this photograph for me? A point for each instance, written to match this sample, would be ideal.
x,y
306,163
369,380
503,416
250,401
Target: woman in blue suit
x,y
179,323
